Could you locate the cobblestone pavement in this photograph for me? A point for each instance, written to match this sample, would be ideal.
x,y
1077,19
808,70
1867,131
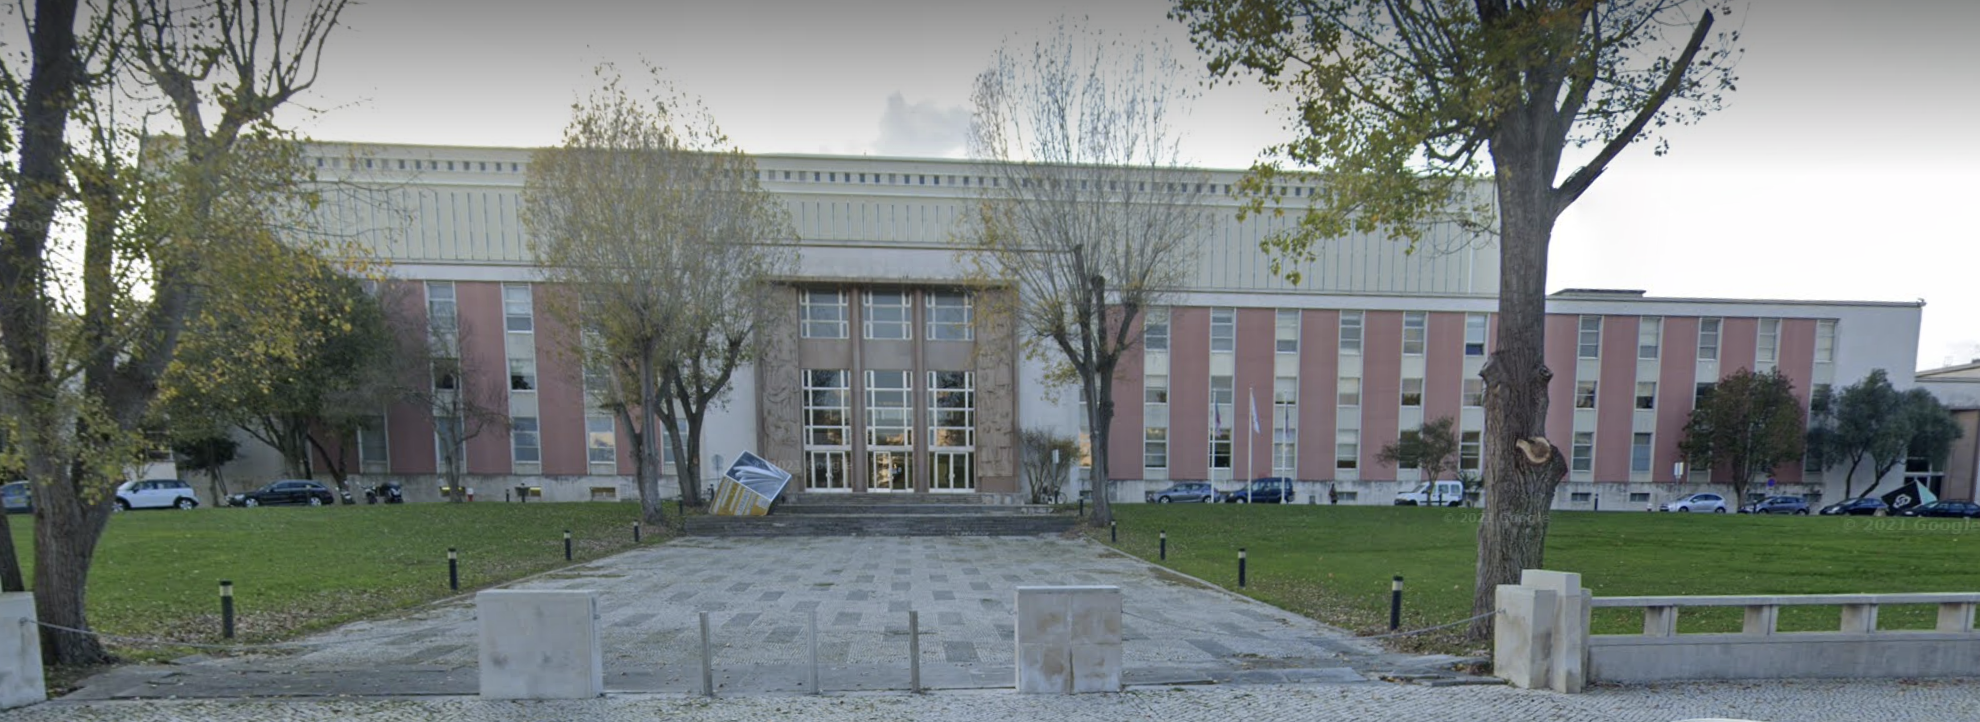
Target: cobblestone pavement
x,y
1770,702
761,594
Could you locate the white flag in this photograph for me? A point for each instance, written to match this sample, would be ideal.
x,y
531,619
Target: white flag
x,y
1254,410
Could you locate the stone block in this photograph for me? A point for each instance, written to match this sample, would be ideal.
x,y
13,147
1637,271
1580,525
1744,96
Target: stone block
x,y
1096,668
1043,613
1956,617
1523,639
1044,669
540,644
1096,617
21,680
1859,618
1068,639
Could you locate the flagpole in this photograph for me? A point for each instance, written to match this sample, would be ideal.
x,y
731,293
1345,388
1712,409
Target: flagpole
x,y
1250,440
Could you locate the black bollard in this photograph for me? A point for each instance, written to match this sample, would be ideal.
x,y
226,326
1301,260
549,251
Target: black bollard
x,y
453,569
1395,604
1082,507
1165,545
1240,567
567,545
1113,531
635,532
226,609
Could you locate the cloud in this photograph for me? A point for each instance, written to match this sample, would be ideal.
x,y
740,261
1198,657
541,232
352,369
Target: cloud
x,y
921,129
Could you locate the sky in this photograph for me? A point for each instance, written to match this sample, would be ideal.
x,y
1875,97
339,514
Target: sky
x,y
1843,167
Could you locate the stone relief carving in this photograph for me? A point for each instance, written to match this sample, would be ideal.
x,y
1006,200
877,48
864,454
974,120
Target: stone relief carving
x,y
778,406
996,370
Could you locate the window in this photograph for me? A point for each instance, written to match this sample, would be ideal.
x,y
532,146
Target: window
x,y
827,427
1347,449
1639,497
952,430
1471,449
1415,328
372,442
524,441
1155,330
950,315
822,313
889,430
1155,390
1769,350
446,374
1646,395
1475,325
1474,393
1584,394
517,315
1223,329
1222,403
1589,343
1708,339
1580,496
1155,448
601,440
441,313
1639,453
1286,331
1412,392
1350,392
1351,332
1825,341
1649,337
888,315
1703,392
1285,425
522,374
1584,451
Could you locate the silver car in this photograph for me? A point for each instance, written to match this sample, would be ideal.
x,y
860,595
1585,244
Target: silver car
x,y
1698,502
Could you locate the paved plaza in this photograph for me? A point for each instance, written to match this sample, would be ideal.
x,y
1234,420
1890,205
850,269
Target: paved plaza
x,y
761,595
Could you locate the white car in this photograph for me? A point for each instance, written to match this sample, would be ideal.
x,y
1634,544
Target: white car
x,y
155,494
1698,502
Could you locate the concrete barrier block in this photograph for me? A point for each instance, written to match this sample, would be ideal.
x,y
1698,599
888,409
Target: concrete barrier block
x,y
540,644
21,679
1068,639
1523,640
1096,668
1044,669
1096,617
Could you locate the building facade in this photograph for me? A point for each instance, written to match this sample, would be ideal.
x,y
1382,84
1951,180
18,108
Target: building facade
x,y
883,373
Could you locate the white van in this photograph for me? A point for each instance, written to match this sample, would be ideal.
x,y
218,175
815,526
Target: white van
x,y
1433,493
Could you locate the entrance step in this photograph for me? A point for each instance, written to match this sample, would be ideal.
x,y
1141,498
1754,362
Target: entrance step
x,y
884,498
848,508
880,524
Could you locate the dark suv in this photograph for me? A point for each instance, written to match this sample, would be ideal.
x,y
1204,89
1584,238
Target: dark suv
x,y
1861,506
1183,491
1268,490
1777,505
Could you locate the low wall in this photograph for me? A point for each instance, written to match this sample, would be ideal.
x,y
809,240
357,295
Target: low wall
x,y
1542,640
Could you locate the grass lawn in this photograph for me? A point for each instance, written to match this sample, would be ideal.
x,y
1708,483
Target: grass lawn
x,y
1334,563
300,569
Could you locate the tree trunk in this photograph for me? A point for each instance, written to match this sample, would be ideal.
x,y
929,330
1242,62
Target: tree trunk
x,y
1100,417
687,458
1522,468
10,560
649,451
64,545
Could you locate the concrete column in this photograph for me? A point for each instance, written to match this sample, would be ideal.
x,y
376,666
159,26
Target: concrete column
x,y
1523,636
1859,618
1660,621
1761,619
1068,640
1568,671
1956,617
540,644
21,680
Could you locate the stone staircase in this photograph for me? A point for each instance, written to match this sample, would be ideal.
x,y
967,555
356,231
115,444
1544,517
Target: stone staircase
x,y
887,515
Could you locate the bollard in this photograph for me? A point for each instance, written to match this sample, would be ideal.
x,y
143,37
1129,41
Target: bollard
x,y
226,609
914,652
453,570
1165,545
814,653
635,532
1395,604
707,660
1082,507
1113,531
1240,567
567,545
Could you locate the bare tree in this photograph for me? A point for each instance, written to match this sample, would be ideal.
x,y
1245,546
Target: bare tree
x,y
1089,212
455,393
1048,457
664,241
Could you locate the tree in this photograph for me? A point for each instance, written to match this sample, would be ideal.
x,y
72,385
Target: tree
x,y
1867,425
1432,448
452,389
209,454
86,340
1401,107
658,232
1749,424
1933,429
1089,212
1048,458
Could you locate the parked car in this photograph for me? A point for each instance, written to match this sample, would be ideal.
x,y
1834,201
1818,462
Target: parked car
x,y
1777,505
1863,506
285,491
17,497
1698,502
155,494
1183,492
1954,509
1433,493
1267,490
